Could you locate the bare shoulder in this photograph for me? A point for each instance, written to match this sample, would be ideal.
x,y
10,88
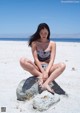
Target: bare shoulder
x,y
33,44
52,43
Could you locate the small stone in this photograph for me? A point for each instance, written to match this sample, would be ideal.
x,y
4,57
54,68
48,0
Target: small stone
x,y
17,107
66,60
20,110
73,69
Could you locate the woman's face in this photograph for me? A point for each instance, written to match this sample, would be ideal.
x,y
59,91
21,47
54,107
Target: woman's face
x,y
43,33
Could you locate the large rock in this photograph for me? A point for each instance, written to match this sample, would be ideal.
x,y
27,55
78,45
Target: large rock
x,y
28,88
45,100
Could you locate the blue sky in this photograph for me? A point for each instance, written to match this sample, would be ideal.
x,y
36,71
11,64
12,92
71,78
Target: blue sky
x,y
23,16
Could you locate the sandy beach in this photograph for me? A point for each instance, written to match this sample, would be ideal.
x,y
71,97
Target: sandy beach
x,y
11,74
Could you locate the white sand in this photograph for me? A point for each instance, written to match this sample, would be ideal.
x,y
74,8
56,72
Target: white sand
x,y
11,74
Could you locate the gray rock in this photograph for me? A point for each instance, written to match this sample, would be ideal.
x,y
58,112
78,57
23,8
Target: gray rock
x,y
27,89
44,100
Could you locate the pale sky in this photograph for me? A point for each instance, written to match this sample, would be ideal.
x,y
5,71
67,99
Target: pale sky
x,y
23,16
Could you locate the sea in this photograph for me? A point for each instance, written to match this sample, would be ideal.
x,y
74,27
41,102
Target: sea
x,y
53,39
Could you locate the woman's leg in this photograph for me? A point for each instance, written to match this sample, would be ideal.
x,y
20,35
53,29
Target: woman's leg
x,y
55,71
30,67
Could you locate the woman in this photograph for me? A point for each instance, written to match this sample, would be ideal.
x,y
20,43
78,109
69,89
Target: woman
x,y
44,52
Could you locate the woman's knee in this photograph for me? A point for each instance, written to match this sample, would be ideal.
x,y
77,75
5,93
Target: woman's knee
x,y
62,65
23,61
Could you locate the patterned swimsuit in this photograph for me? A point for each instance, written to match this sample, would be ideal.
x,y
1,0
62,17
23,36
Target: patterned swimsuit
x,y
43,56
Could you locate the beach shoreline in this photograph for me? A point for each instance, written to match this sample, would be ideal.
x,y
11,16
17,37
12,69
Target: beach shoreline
x,y
11,74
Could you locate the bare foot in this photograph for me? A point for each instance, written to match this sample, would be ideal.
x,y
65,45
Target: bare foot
x,y
48,88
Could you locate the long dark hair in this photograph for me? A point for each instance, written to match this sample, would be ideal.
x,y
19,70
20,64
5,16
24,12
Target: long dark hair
x,y
36,35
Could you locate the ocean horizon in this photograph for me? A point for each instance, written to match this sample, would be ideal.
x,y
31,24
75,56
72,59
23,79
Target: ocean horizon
x,y
53,39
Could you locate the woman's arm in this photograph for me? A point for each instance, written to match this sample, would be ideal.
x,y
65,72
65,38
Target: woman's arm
x,y
34,52
52,58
